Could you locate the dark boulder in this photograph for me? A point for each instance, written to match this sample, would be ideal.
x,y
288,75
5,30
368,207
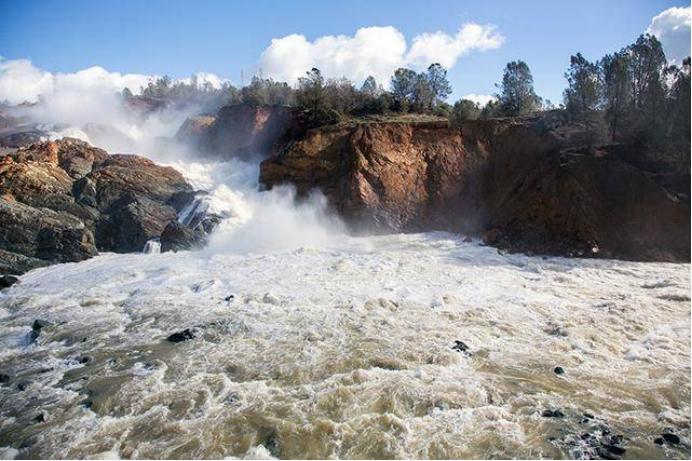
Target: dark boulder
x,y
177,237
181,336
7,281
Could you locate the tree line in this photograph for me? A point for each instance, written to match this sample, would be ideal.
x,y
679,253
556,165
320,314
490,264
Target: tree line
x,y
624,95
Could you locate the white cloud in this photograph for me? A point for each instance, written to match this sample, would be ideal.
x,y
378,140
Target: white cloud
x,y
203,78
672,28
21,82
447,49
480,99
375,51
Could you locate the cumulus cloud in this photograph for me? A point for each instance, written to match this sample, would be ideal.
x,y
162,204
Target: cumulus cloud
x,y
447,49
480,99
375,51
672,28
21,82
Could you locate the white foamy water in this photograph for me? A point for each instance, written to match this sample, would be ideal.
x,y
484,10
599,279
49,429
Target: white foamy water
x,y
345,351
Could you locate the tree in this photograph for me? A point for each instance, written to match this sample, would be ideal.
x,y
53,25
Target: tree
x,y
342,96
615,89
127,93
311,96
465,109
403,83
678,103
370,88
422,97
517,96
490,110
582,95
439,86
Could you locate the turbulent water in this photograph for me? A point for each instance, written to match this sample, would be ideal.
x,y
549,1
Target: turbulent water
x,y
309,343
346,351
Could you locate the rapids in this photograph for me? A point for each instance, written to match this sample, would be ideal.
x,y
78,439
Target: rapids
x,y
346,351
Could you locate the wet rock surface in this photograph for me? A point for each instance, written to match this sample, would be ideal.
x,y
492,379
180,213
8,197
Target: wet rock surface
x,y
7,281
65,200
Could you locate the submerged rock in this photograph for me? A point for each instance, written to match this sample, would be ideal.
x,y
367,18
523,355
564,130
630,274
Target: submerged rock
x,y
7,281
552,413
181,336
672,439
461,346
559,371
176,236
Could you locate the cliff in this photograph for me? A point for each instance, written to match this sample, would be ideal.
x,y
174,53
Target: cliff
x,y
239,131
532,185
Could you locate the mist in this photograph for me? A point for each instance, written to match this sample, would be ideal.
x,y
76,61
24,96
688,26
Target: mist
x,y
89,106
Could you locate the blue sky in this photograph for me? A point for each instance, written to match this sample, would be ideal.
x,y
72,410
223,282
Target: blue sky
x,y
179,38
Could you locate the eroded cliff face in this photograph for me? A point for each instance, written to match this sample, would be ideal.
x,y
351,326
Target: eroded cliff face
x,y
239,131
65,200
531,185
386,177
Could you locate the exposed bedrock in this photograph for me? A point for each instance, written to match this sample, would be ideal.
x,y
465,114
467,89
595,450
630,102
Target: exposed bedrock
x,y
65,201
532,185
240,131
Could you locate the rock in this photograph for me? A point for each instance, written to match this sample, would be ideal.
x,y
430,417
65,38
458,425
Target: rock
x,y
671,438
604,453
41,417
7,281
461,346
177,237
22,138
387,176
61,200
468,239
552,414
22,385
532,184
491,237
559,371
240,131
4,378
41,324
181,336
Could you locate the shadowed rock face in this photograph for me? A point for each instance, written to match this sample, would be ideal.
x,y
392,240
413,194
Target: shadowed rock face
x,y
533,185
60,201
239,131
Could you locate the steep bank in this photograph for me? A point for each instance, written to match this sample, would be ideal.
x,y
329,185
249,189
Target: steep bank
x,y
527,184
239,131
65,200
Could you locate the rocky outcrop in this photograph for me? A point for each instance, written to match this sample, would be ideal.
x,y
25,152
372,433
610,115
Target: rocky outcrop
x,y
240,131
61,201
528,185
384,177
